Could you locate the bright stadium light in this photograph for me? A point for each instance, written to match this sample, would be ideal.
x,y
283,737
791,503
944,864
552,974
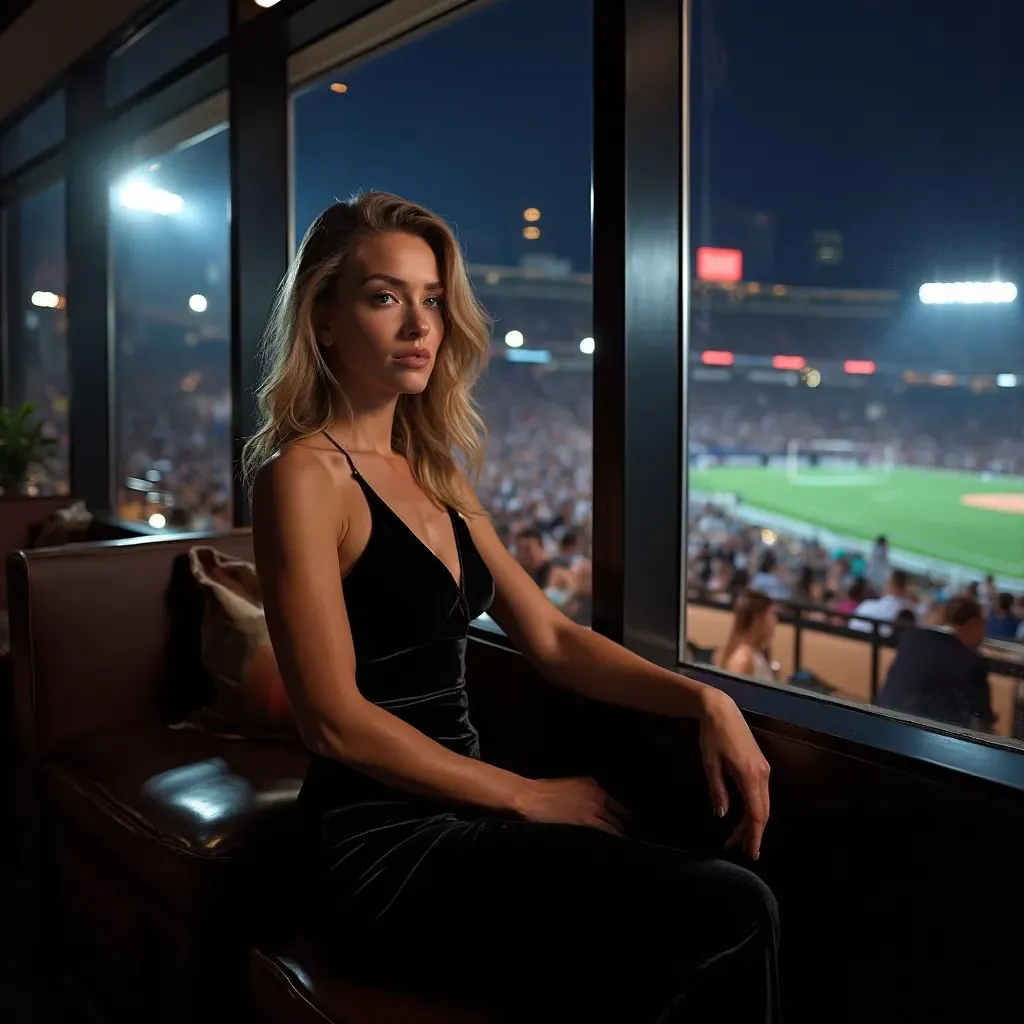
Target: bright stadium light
x,y
198,303
967,293
158,521
139,195
266,3
45,300
1006,380
514,339
587,346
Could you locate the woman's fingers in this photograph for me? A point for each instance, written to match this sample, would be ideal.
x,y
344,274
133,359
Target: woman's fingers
x,y
754,787
717,789
607,824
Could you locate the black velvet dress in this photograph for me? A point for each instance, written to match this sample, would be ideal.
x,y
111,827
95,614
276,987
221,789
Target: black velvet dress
x,y
546,921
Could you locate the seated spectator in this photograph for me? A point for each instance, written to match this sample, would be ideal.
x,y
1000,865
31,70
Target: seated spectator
x,y
570,550
753,626
1002,622
938,673
768,578
885,608
532,556
855,594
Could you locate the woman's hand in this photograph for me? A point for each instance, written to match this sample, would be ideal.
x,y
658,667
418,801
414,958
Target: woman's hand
x,y
572,802
728,746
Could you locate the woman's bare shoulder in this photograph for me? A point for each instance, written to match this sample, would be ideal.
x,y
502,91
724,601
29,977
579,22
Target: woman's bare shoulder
x,y
304,474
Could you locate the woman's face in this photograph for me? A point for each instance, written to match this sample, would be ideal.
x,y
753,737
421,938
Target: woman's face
x,y
382,332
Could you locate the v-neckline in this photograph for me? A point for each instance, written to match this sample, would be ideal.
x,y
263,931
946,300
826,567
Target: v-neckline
x,y
422,543
369,489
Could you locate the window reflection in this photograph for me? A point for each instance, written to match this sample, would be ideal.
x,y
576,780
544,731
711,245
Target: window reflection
x,y
35,133
175,35
856,384
517,189
171,250
36,311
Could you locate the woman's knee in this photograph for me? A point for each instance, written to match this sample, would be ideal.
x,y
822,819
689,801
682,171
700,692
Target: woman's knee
x,y
737,906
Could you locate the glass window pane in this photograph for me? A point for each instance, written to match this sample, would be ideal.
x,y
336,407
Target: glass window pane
x,y
169,40
170,224
36,365
517,188
856,415
35,133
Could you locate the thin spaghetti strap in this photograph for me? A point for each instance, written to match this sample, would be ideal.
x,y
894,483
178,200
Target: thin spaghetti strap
x,y
351,464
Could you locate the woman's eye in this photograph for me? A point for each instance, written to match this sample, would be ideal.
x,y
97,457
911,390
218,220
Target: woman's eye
x,y
384,298
436,302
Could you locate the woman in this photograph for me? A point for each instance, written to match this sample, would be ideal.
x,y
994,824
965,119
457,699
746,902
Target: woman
x,y
374,556
753,626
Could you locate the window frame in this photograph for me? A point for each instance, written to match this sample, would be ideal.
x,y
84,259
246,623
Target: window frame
x,y
641,285
977,755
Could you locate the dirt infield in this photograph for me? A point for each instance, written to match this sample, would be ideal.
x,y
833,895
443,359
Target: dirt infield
x,y
1011,504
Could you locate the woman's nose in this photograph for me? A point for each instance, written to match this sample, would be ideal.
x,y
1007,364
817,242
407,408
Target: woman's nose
x,y
416,326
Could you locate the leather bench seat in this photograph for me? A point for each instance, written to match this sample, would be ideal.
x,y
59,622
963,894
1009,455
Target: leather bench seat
x,y
292,984
179,810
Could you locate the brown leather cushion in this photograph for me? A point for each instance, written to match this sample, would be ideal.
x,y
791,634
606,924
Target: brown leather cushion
x,y
251,701
294,984
183,812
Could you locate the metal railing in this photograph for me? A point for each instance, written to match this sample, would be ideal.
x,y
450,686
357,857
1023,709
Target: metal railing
x,y
882,634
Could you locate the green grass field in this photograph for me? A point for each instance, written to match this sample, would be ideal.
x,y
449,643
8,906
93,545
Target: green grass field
x,y
920,511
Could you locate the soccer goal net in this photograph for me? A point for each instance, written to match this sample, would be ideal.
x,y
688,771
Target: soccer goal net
x,y
838,461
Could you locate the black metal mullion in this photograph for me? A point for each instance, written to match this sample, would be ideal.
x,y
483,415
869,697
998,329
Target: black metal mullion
x,y
90,363
638,316
260,204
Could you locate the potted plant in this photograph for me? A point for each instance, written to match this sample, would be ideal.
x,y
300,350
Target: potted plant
x,y
23,444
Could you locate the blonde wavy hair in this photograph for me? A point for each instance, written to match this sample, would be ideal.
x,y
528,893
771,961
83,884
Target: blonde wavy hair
x,y
300,397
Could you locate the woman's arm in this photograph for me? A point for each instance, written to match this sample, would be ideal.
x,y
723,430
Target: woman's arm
x,y
296,538
587,663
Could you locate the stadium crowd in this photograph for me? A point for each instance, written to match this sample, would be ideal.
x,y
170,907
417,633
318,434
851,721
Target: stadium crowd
x,y
174,461
728,556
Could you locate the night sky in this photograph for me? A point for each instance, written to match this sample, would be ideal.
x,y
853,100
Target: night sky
x,y
893,122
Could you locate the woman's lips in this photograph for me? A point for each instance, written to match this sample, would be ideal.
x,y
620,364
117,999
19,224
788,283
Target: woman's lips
x,y
415,360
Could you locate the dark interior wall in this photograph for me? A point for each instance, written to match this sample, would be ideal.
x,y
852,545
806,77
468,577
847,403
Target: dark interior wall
x,y
898,881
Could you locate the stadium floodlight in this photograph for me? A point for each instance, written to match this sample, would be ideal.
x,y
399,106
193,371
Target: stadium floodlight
x,y
46,300
198,303
266,3
1006,380
967,293
514,339
158,520
587,346
139,195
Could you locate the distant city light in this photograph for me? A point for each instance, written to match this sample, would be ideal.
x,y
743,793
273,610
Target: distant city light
x,y
862,367
46,300
528,355
721,265
139,195
587,346
967,293
339,87
514,339
788,362
1007,380
531,233
157,520
712,358
531,213
198,303
812,377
